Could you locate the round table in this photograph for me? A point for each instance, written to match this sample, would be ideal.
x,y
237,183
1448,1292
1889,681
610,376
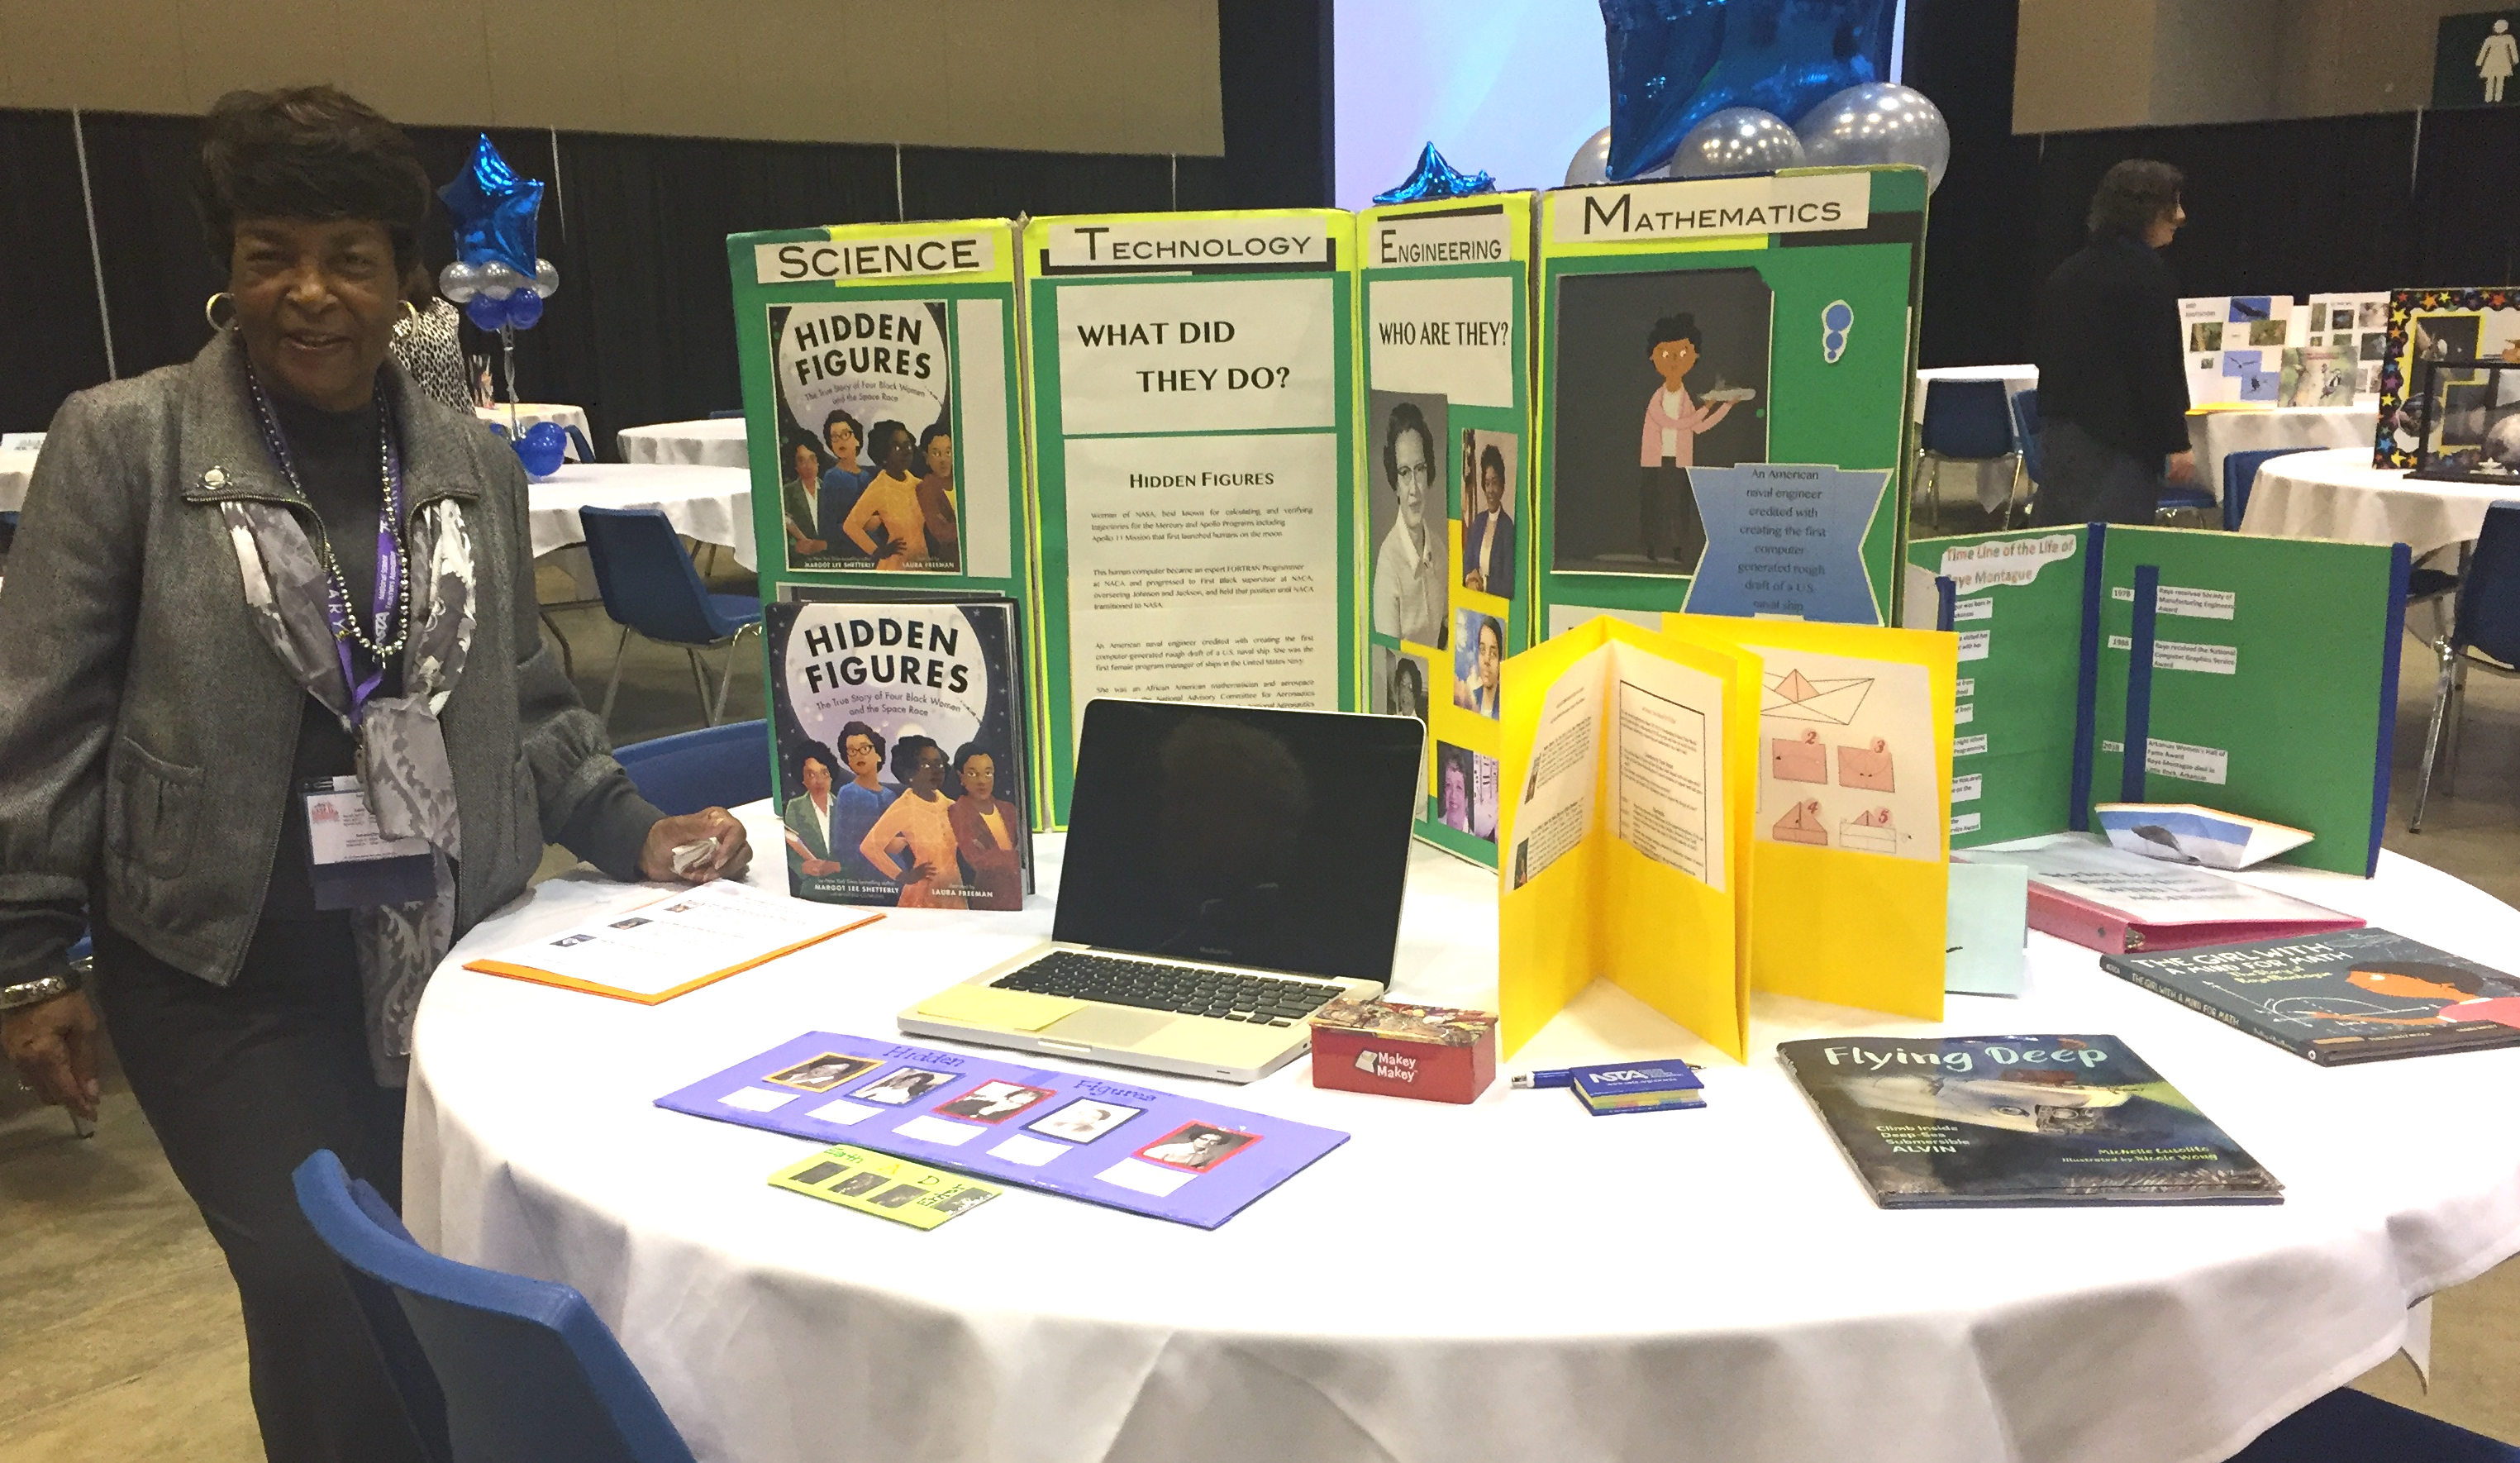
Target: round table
x,y
2214,434
713,505
1508,1280
526,414
716,442
16,468
2339,494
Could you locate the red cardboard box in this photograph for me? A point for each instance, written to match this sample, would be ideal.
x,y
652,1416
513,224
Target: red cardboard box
x,y
1396,1050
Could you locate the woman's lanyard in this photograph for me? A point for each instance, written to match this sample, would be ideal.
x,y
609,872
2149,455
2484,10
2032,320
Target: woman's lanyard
x,y
391,603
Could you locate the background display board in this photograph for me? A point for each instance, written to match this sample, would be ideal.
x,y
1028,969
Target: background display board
x,y
2441,325
1722,401
1445,463
1193,403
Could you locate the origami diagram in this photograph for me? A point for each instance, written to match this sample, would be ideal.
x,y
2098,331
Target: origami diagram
x,y
1865,767
1798,758
1801,825
1795,697
1870,832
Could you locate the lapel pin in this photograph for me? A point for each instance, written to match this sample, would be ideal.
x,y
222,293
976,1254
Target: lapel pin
x,y
216,478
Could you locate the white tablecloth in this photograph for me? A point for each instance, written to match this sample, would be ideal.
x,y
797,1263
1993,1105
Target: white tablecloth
x,y
1511,1280
713,505
525,414
716,441
14,469
2339,494
2215,434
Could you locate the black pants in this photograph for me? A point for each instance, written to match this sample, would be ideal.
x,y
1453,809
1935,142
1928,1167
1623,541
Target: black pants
x,y
2084,479
241,1085
1667,514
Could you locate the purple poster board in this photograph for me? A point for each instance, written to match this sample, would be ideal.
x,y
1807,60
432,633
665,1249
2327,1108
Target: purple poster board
x,y
1133,1148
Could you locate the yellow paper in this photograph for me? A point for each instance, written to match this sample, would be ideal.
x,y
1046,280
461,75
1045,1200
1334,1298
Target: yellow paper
x,y
1856,915
988,1006
1628,788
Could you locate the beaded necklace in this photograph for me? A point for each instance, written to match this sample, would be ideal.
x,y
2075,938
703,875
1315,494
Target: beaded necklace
x,y
391,604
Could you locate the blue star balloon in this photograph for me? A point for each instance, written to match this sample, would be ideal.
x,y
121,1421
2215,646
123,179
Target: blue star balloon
x,y
1435,178
494,212
1674,62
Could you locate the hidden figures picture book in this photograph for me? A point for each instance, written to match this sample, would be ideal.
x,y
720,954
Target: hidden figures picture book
x,y
2354,995
2018,1120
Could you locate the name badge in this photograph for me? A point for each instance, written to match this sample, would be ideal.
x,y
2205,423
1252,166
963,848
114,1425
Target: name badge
x,y
355,865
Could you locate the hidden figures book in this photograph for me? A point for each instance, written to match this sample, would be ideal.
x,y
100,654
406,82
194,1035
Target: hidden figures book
x,y
1994,1122
900,749
2355,996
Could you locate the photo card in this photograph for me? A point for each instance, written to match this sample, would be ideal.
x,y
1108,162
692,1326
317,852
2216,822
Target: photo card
x,y
1084,1120
823,1072
994,1102
1196,1147
903,1086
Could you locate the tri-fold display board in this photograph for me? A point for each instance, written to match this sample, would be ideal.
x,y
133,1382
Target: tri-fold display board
x,y
2257,676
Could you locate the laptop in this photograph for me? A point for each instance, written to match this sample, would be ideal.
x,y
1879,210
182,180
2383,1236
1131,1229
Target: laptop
x,y
1229,870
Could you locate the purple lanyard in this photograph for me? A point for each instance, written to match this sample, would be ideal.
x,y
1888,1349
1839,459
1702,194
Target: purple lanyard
x,y
337,595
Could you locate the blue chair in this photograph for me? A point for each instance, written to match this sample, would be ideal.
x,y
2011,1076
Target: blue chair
x,y
2484,635
649,584
519,1369
716,766
2240,475
2355,1427
720,416
2173,501
1965,421
577,439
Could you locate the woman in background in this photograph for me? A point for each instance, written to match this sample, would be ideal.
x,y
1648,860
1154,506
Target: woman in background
x,y
427,344
923,814
804,467
936,494
985,831
886,522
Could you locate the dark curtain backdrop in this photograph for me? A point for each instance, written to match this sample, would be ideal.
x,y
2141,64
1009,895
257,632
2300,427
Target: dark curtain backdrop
x,y
53,343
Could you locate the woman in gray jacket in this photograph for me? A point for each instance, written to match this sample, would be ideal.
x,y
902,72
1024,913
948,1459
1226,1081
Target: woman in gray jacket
x,y
261,607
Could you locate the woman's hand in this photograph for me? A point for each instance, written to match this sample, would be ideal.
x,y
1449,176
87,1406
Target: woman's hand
x,y
821,868
918,873
53,1045
732,856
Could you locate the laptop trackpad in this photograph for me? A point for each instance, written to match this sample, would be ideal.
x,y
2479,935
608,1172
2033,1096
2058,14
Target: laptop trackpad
x,y
1108,1025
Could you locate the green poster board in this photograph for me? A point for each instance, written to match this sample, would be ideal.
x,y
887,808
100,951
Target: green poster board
x,y
1769,481
1192,395
1445,460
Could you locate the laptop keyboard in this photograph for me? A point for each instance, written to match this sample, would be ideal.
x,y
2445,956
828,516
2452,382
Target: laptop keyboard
x,y
1154,985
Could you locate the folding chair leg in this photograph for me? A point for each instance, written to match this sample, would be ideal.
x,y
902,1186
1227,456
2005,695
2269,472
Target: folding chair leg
x,y
567,665
700,683
613,685
2458,721
1934,494
726,677
2433,738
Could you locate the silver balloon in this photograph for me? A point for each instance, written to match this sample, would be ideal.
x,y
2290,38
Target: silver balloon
x,y
1735,141
1591,164
546,279
1879,121
498,281
459,281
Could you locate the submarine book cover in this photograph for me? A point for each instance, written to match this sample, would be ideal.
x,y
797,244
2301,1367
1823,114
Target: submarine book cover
x,y
1994,1122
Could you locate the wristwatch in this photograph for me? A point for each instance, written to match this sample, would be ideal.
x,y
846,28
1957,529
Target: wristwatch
x,y
36,992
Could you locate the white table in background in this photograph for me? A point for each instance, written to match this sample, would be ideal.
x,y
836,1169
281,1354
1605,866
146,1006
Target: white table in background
x,y
2339,494
16,469
1508,1280
526,414
2214,434
2015,378
714,441
712,505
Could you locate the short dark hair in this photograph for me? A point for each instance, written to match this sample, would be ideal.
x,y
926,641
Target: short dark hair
x,y
308,151
1490,457
816,752
2132,195
1487,624
1405,670
928,438
799,439
1404,417
905,757
873,738
965,753
1670,328
835,419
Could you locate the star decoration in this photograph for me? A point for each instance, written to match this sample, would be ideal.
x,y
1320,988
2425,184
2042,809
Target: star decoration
x,y
494,212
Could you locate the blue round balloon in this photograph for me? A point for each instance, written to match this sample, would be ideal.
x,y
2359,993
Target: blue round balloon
x,y
524,307
542,447
487,313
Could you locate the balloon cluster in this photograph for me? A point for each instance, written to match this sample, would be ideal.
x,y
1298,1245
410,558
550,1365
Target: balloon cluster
x,y
497,277
1702,90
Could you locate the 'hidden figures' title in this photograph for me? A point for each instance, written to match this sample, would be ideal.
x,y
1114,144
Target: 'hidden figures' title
x,y
883,650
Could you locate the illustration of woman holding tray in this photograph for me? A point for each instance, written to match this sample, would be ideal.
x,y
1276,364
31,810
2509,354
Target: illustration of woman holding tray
x,y
985,831
1667,508
923,813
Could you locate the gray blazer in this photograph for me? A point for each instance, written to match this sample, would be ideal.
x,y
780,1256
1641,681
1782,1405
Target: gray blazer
x,y
146,729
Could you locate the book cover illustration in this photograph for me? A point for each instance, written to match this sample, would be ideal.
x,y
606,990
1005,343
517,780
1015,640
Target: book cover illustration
x,y
866,430
2355,995
2018,1120
900,751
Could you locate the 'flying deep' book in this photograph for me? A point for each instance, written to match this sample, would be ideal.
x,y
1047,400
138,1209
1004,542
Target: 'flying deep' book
x,y
2355,996
2018,1120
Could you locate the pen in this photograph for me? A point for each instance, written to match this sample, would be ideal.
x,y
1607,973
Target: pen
x,y
1558,1076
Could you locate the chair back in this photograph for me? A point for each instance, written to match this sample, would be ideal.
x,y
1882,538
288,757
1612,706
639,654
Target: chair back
x,y
2355,1427
717,766
2239,476
2489,598
2025,429
720,416
1965,419
646,578
528,1371
577,439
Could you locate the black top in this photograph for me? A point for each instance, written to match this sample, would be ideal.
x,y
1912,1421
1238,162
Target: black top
x,y
2109,356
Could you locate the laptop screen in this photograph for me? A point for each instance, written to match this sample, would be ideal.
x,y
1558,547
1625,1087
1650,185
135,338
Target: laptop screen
x,y
1241,836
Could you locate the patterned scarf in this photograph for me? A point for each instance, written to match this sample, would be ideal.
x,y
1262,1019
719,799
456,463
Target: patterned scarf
x,y
402,749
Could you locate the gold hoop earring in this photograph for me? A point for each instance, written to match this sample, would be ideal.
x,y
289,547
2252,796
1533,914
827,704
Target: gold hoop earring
x,y
211,311
410,312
